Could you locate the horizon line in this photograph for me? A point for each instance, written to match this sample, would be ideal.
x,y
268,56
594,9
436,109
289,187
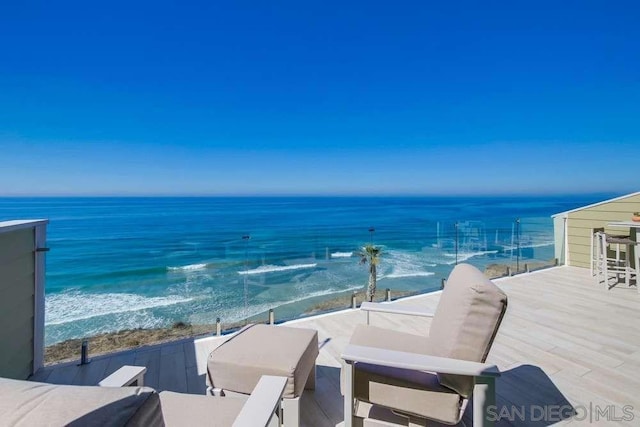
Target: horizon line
x,y
310,195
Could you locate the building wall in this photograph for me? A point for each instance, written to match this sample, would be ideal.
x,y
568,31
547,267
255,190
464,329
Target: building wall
x,y
559,238
581,223
17,289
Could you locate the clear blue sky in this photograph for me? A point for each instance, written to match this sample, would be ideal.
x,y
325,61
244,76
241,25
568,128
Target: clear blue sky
x,y
319,97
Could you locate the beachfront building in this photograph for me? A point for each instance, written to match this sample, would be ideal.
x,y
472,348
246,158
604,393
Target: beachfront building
x,y
573,229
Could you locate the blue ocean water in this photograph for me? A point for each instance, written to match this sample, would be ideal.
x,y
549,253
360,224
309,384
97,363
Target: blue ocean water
x,y
119,263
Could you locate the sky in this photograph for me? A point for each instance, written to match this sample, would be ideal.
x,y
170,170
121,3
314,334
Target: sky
x,y
319,97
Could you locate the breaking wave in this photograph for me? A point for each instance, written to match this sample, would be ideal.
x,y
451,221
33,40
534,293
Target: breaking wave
x,y
464,256
527,245
342,255
405,264
274,268
73,306
190,267
415,274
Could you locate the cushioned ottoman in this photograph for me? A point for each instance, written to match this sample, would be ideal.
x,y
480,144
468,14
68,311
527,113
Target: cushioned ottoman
x,y
257,350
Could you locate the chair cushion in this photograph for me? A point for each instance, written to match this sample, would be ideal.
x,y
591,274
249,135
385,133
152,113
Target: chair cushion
x,y
181,409
413,392
238,364
372,336
26,403
466,321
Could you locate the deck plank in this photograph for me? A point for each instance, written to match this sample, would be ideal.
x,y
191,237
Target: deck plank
x,y
173,370
563,339
118,361
150,359
64,374
195,381
92,373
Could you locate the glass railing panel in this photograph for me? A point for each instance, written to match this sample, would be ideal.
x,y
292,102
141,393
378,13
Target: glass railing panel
x,y
238,277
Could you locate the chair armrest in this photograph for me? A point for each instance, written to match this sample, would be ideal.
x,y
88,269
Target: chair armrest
x,y
396,309
262,402
125,376
418,362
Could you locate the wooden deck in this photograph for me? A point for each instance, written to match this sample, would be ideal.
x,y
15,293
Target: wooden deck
x,y
564,341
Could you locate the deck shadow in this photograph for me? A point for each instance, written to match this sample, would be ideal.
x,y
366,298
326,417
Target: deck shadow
x,y
526,396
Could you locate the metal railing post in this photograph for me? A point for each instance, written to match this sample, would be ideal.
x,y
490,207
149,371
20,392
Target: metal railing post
x,y
517,245
246,238
456,225
84,353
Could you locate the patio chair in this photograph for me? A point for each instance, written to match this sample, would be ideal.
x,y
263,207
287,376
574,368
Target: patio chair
x,y
117,402
405,379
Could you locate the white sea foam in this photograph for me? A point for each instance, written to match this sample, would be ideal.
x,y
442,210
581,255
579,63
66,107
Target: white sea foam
x,y
235,314
73,306
274,268
404,264
527,245
144,319
190,267
464,256
342,255
416,274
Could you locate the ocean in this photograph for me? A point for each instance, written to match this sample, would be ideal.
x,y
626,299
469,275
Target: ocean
x,y
121,263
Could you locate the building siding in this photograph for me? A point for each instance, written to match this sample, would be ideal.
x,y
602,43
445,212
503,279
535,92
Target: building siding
x,y
17,267
580,225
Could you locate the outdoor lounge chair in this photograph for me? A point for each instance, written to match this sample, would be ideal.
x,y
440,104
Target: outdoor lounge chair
x,y
26,403
405,379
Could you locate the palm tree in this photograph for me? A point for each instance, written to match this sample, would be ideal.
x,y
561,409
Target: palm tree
x,y
370,254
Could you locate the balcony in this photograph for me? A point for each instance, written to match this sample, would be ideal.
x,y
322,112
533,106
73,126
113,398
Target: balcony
x,y
564,341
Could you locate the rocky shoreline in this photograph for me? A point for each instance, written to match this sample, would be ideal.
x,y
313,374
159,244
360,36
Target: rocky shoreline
x,y
132,338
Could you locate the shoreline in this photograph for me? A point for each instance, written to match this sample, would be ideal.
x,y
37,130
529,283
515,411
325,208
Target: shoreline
x,y
126,339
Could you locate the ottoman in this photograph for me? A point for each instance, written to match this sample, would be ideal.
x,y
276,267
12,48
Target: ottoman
x,y
237,365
